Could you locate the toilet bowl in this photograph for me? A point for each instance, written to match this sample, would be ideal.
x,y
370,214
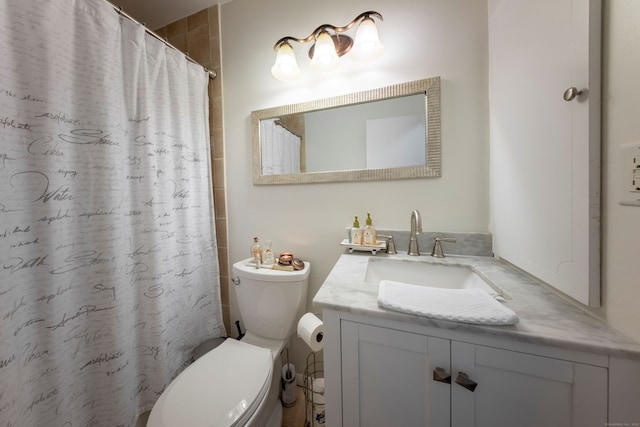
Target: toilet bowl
x,y
237,383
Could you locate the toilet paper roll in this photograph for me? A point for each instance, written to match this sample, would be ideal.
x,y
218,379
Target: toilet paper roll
x,y
317,386
311,330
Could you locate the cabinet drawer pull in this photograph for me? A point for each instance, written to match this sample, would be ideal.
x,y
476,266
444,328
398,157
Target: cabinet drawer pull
x,y
441,375
464,380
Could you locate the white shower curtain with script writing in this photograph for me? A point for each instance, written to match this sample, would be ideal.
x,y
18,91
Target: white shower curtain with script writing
x,y
280,149
108,260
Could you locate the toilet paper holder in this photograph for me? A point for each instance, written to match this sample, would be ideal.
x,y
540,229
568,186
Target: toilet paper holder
x,y
311,331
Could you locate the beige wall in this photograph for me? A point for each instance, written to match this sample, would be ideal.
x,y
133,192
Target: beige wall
x,y
621,125
422,39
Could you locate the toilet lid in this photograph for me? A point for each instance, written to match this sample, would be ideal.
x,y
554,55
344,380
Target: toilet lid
x,y
222,388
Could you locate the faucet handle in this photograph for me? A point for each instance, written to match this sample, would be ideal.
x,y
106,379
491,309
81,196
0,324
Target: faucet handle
x,y
437,246
391,244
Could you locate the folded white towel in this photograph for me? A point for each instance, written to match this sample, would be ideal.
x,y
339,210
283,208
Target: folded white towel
x,y
458,305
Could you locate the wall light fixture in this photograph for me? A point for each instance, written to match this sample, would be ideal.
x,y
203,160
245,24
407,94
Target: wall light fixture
x,y
330,43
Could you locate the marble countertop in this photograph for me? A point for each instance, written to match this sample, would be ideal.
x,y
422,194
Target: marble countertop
x,y
544,317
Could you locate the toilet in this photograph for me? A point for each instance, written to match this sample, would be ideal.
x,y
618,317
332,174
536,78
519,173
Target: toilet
x,y
238,382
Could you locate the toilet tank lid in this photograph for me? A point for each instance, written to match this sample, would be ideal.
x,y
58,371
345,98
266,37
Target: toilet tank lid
x,y
222,388
244,268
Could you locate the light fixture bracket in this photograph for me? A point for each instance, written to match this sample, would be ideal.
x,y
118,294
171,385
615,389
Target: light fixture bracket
x,y
367,46
324,27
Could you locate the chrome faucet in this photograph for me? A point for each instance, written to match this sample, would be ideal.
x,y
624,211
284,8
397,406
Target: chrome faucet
x,y
416,228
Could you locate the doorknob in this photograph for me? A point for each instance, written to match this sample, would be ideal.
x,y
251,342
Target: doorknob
x,y
571,93
464,380
441,375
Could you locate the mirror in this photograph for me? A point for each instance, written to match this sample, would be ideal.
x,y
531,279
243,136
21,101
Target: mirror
x,y
380,134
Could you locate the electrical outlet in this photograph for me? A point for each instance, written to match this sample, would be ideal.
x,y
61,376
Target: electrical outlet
x,y
630,174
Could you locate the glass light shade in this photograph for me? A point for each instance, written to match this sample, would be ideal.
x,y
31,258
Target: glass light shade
x,y
325,57
367,45
286,67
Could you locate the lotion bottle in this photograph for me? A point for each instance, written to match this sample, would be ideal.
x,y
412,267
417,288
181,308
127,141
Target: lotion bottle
x,y
356,232
369,234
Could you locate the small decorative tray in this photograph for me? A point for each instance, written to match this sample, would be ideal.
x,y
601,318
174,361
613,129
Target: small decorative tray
x,y
380,245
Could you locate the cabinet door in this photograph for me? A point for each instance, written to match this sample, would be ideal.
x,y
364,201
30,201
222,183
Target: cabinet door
x,y
387,378
518,389
545,151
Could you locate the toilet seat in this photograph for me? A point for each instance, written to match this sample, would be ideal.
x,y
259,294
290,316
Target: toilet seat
x,y
222,388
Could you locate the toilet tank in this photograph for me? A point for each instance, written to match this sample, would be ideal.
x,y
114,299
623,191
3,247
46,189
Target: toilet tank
x,y
270,301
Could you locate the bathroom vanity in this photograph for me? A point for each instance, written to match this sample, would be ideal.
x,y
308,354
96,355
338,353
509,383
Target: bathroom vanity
x,y
557,366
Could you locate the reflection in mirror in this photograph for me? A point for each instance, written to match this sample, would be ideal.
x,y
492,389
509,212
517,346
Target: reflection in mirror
x,y
387,133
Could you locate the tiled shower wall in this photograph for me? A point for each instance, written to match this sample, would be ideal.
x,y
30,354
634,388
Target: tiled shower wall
x,y
198,36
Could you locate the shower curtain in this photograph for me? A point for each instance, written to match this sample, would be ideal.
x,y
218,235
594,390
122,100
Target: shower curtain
x,y
109,273
280,149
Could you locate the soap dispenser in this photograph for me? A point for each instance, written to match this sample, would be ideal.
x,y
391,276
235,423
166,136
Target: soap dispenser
x,y
356,232
369,234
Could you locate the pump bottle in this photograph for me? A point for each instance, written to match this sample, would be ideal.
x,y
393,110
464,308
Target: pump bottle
x,y
356,232
369,234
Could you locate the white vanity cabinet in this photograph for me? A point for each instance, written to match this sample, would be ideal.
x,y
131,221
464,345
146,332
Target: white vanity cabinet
x,y
387,377
391,377
558,366
520,389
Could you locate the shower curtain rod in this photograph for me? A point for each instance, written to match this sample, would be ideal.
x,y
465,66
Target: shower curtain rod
x,y
212,74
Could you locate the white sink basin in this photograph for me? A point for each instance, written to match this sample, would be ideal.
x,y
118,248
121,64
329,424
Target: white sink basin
x,y
426,274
